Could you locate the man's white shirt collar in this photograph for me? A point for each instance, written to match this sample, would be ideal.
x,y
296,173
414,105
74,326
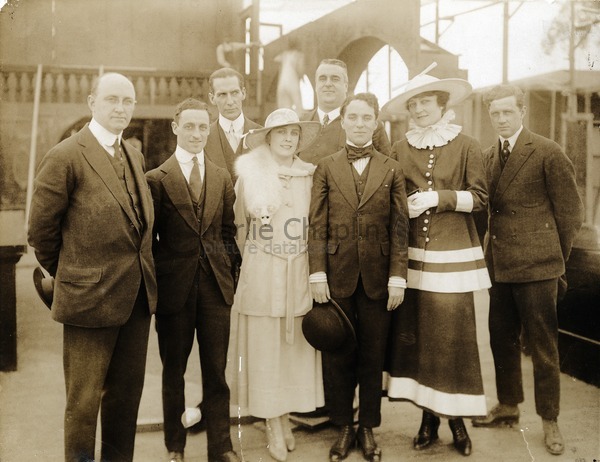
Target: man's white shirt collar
x,y
331,114
104,137
513,139
238,124
184,158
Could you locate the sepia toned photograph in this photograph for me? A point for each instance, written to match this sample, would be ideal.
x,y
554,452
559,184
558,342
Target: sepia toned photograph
x,y
284,230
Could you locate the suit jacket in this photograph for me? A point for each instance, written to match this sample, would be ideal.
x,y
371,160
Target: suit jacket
x,y
218,148
349,237
178,232
534,210
86,235
332,138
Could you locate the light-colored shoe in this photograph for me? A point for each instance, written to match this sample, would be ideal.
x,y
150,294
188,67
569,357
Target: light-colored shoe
x,y
276,441
501,414
290,441
553,439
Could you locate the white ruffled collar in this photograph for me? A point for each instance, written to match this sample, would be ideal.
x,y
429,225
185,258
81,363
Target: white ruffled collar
x,y
436,135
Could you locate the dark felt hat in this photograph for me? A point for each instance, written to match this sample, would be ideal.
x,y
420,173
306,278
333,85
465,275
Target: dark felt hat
x,y
44,286
327,328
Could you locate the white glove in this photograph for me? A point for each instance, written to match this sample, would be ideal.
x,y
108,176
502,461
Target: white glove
x,y
421,201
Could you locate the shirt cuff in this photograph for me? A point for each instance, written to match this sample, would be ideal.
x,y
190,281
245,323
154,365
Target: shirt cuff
x,y
397,281
319,276
464,201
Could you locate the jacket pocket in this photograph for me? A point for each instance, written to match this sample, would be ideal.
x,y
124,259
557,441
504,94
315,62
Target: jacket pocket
x,y
385,248
80,275
332,247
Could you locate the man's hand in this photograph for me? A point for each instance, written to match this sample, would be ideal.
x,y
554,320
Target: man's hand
x,y
395,297
421,201
320,291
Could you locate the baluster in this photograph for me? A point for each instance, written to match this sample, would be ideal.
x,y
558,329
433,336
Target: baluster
x,y
174,90
48,84
25,87
163,91
152,91
196,90
3,88
12,85
72,88
184,89
84,86
61,86
140,90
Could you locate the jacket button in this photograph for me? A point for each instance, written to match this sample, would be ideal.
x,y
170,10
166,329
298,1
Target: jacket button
x,y
424,228
494,237
360,238
426,239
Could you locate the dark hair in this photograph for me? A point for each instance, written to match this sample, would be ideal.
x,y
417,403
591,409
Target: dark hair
x,y
504,91
190,103
368,98
336,62
223,73
442,97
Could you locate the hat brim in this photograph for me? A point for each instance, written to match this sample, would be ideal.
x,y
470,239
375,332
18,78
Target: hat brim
x,y
44,286
310,130
458,89
312,326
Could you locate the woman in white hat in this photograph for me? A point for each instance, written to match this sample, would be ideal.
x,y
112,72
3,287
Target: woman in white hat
x,y
436,365
277,371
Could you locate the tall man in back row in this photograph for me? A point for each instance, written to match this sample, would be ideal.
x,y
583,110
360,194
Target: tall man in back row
x,y
331,83
227,92
534,214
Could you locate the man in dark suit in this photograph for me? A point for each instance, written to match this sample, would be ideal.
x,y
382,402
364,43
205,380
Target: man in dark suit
x,y
91,228
534,214
193,250
331,84
227,92
358,253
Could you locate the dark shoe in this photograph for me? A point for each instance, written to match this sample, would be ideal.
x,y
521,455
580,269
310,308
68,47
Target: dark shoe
x,y
462,442
366,442
346,440
553,439
501,414
175,456
428,432
228,456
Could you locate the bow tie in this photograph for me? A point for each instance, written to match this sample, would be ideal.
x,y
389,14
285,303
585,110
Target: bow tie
x,y
355,153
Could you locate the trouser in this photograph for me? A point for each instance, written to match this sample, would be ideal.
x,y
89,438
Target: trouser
x,y
206,315
529,306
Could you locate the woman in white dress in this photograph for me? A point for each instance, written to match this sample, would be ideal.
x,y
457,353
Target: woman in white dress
x,y
277,371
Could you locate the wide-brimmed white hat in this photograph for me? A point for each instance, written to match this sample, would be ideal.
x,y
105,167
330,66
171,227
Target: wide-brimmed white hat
x,y
281,118
458,89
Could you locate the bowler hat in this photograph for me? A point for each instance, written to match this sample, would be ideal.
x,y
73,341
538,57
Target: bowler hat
x,y
44,286
327,328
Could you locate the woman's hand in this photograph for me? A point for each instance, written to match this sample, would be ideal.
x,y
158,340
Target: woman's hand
x,y
421,201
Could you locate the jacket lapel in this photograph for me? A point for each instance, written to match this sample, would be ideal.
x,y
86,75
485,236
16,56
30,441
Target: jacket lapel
x,y
212,196
518,156
98,159
140,180
495,169
343,178
377,172
176,188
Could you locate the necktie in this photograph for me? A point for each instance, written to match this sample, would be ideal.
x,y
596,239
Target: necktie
x,y
355,153
117,147
325,120
195,180
505,151
232,138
